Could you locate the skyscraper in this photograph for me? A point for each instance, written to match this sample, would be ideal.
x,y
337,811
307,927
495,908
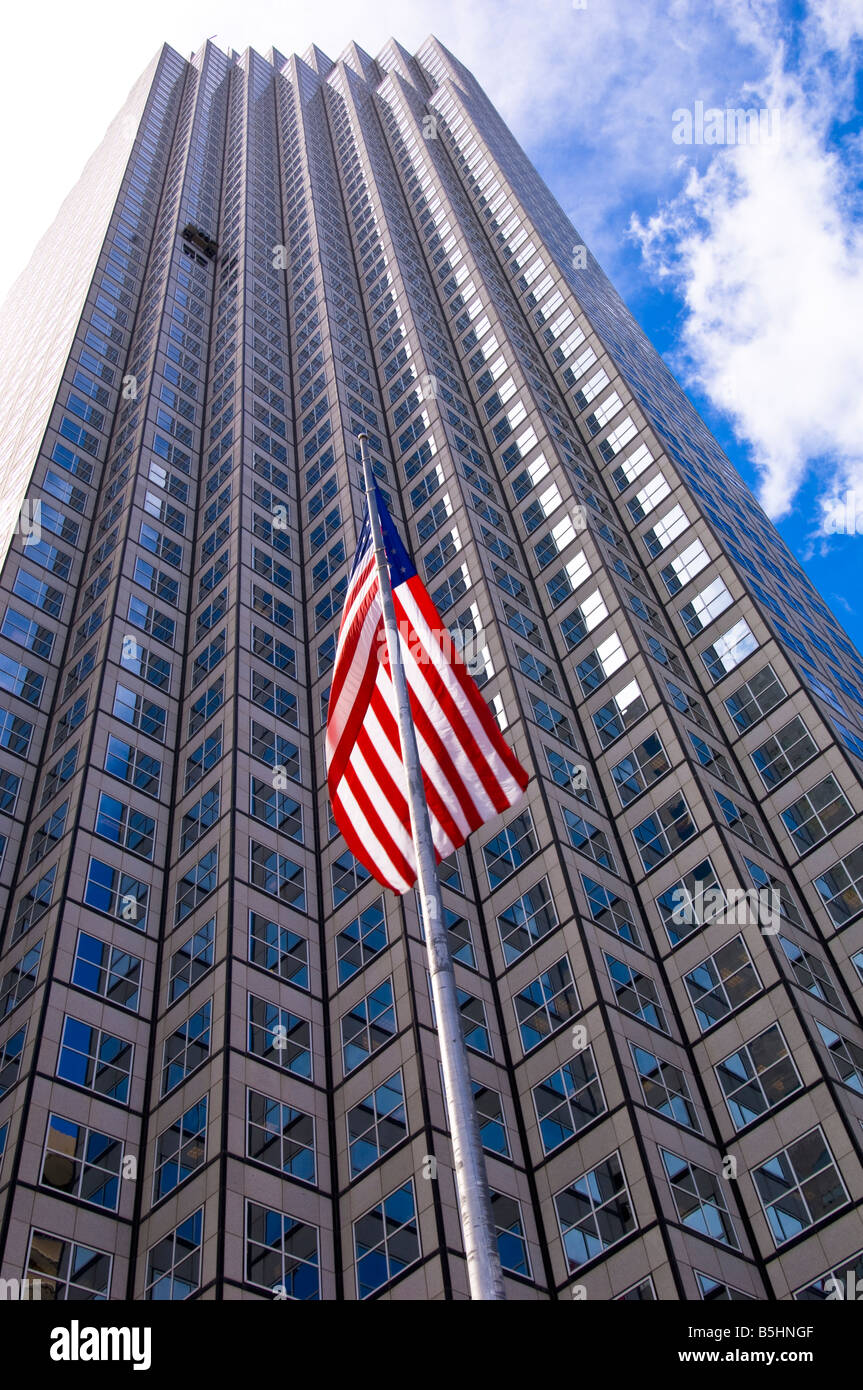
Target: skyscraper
x,y
218,1065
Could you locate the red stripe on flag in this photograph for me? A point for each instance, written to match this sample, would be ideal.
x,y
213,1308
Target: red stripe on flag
x,y
437,809
469,686
359,848
376,825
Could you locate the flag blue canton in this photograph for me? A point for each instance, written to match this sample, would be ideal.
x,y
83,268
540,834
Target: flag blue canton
x,y
401,566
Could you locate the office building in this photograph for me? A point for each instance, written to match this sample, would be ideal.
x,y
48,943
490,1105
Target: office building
x,y
219,1074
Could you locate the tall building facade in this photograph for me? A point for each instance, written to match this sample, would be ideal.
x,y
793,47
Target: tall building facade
x,y
219,1075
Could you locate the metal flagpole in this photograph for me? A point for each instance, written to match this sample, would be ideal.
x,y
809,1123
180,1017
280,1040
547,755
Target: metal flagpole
x,y
480,1243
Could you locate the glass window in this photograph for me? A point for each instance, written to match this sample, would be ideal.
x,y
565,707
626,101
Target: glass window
x,y
615,717
699,1199
361,940
784,752
640,769
691,902
811,818
841,888
588,839
729,650
664,1087
192,960
714,1290
810,972
82,1163
19,980
376,1124
174,1263
568,1100
492,1121
125,826
509,1229
347,874
594,1212
96,1060
368,1026
610,911
68,1271
108,971
181,1150
186,1048
755,698
546,1004
639,1293
117,894
509,849
664,832
845,1055
799,1186
386,1240
277,875
280,1136
278,949
11,1052
282,1254
527,920
721,983
835,1283
280,1037
740,820
758,1076
635,993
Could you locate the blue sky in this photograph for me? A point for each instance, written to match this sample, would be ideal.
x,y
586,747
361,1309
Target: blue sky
x,y
743,262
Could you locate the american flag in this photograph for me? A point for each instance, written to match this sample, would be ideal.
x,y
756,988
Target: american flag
x,y
470,773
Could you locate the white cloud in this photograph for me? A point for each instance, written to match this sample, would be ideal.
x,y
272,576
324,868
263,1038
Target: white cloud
x,y
762,246
839,21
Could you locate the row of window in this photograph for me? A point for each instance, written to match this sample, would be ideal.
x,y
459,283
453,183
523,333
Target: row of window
x,y
797,1187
